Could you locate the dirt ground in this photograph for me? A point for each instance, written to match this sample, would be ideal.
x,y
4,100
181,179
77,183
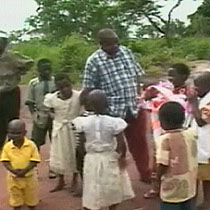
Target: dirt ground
x,y
63,200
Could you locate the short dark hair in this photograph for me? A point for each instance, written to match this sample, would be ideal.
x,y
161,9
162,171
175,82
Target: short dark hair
x,y
203,77
172,113
62,76
43,61
181,68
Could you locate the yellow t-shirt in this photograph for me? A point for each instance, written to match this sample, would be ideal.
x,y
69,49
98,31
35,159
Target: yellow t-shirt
x,y
177,149
20,158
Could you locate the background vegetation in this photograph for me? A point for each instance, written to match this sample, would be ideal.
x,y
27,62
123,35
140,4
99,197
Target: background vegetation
x,y
65,32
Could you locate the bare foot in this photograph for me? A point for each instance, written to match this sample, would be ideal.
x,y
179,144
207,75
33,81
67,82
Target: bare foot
x,y
58,187
77,193
74,184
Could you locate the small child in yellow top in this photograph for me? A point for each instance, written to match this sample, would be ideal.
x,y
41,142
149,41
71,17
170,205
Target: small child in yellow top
x,y
19,157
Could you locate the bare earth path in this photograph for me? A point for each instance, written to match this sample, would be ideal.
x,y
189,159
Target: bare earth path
x,y
63,200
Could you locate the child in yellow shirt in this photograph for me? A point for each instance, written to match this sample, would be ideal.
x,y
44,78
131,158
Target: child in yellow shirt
x,y
20,156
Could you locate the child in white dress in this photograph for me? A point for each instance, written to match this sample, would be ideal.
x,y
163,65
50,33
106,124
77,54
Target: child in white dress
x,y
106,182
65,105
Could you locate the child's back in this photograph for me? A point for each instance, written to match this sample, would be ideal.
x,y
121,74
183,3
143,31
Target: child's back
x,y
177,149
176,158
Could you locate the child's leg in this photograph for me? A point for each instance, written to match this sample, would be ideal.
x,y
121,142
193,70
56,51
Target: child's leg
x,y
17,208
206,193
60,185
31,207
113,207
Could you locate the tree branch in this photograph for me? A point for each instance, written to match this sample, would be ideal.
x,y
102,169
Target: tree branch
x,y
154,24
172,9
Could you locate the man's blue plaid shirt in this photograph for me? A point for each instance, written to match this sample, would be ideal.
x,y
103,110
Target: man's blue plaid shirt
x,y
117,76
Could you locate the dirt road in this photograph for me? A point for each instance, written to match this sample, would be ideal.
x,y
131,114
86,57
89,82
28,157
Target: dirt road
x,y
63,200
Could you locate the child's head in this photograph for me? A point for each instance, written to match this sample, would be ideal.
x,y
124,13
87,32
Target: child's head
x,y
98,101
44,67
202,83
171,116
84,101
16,130
178,74
63,84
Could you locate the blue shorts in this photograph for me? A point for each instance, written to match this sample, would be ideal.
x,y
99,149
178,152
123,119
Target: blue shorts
x,y
186,205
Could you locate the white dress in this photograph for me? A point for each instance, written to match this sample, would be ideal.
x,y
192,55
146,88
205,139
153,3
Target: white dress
x,y
62,151
104,183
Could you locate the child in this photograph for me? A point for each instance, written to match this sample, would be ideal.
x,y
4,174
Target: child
x,y
106,182
19,157
156,95
66,106
178,75
176,158
201,123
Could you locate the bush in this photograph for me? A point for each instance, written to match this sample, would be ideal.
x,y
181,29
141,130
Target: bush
x,y
74,52
153,54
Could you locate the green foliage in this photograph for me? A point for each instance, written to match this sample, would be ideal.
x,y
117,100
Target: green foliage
x,y
200,21
153,54
57,19
74,53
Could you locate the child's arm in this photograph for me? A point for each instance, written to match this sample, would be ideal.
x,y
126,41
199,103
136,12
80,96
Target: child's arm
x,y
23,172
81,145
121,146
34,159
161,170
196,112
8,166
121,149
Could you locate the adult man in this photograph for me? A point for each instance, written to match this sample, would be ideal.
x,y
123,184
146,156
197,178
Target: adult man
x,y
12,66
37,89
114,70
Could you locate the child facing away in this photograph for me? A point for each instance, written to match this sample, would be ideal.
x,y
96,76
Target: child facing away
x,y
105,182
200,102
176,158
65,104
20,156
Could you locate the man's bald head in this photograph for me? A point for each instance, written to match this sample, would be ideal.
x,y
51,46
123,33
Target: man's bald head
x,y
98,101
108,40
107,33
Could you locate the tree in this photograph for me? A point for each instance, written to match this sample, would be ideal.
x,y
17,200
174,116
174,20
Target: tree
x,y
200,20
137,10
59,18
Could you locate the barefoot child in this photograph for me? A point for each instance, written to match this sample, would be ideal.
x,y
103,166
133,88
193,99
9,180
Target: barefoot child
x,y
66,106
19,157
106,182
201,124
176,158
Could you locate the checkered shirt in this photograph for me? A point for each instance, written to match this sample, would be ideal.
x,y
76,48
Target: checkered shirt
x,y
117,77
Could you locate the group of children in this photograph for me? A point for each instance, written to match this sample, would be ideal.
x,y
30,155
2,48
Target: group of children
x,y
182,154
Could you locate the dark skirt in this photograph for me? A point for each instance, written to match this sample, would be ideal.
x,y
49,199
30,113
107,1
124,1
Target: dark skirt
x,y
9,110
